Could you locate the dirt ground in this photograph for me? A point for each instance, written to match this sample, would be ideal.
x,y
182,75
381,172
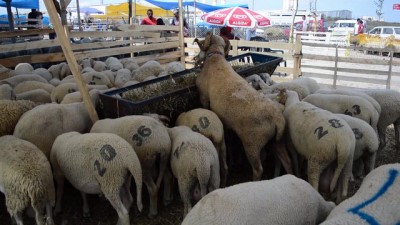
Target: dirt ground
x,y
104,214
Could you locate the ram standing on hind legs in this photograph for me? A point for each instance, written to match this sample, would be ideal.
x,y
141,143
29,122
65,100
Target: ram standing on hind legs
x,y
254,117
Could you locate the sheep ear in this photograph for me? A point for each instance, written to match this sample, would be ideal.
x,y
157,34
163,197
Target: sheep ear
x,y
227,46
199,43
207,40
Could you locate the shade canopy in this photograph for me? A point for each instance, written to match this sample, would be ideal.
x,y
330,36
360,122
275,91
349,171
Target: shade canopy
x,y
23,4
122,10
236,17
201,6
88,10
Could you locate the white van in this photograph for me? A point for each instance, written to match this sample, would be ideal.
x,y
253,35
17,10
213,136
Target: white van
x,y
386,31
343,26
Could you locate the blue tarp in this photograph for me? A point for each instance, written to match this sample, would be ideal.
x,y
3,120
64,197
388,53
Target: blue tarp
x,y
22,4
203,7
4,17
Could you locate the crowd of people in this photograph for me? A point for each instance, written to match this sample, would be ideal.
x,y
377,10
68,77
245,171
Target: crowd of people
x,y
151,20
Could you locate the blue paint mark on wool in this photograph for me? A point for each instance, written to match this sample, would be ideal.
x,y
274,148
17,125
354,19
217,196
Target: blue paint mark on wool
x,y
370,219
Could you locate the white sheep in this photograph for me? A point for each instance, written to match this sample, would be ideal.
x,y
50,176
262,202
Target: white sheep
x,y
123,76
254,117
173,67
389,100
352,93
194,162
114,64
275,88
150,140
100,66
150,68
10,112
23,68
285,200
129,63
44,123
377,201
35,95
26,180
350,105
256,82
94,164
207,123
6,92
309,83
367,144
321,138
17,79
92,78
43,73
31,85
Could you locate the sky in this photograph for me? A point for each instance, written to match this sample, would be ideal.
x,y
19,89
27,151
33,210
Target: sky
x,y
359,8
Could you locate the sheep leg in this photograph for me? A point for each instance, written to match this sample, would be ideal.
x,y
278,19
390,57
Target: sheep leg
x,y
18,218
222,162
382,137
86,210
168,186
60,190
281,152
123,214
397,132
369,162
314,170
39,217
49,214
184,190
255,162
153,190
126,196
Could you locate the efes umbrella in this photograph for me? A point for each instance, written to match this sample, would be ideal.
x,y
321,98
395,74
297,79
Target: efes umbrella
x,y
236,17
88,10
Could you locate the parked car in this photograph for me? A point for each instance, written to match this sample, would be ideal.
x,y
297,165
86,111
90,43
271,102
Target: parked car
x,y
343,26
385,31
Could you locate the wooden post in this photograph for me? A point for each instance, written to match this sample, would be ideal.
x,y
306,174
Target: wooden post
x,y
297,57
335,71
181,38
69,55
390,70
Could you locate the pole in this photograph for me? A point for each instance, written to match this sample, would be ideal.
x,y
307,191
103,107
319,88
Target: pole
x,y
195,15
130,12
78,11
71,60
181,40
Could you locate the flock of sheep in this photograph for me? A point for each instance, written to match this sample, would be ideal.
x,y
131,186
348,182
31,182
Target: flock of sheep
x,y
322,138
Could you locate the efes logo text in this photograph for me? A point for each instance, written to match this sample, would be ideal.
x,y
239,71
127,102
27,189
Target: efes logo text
x,y
240,23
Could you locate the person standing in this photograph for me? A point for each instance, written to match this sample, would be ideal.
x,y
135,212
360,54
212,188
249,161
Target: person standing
x,y
150,19
250,33
305,23
360,26
175,22
34,17
356,27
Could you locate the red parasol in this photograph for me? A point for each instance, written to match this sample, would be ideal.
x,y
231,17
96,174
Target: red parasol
x,y
236,17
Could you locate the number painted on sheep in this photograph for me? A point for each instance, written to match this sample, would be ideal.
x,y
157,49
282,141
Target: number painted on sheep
x,y
356,111
204,122
357,210
141,134
357,133
108,153
321,132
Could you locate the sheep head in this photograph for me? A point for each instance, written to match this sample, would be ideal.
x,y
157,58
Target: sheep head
x,y
282,96
211,43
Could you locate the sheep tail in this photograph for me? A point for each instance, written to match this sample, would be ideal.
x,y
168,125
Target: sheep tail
x,y
134,167
280,124
343,150
203,175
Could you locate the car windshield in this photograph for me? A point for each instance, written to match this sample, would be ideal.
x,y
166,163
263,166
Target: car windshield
x,y
397,30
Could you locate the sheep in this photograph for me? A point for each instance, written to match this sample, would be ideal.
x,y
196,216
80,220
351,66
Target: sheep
x,y
352,93
172,67
256,82
194,161
23,68
26,180
59,92
10,112
31,85
350,105
367,144
284,200
309,83
6,92
114,64
100,66
77,97
322,138
44,123
43,73
375,202
86,63
94,164
207,123
15,80
254,117
389,100
275,88
123,76
150,140
35,95
150,68
129,63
